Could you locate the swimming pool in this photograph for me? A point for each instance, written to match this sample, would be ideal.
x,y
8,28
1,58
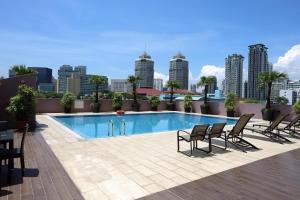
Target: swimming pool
x,y
101,126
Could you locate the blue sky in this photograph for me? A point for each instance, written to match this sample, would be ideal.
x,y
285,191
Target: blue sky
x,y
107,36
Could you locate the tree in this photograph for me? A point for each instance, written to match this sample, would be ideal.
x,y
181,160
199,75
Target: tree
x,y
266,79
134,80
204,82
22,70
297,106
172,85
97,80
282,100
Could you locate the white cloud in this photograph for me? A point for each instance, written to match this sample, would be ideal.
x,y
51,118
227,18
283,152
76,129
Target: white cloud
x,y
290,62
212,70
162,76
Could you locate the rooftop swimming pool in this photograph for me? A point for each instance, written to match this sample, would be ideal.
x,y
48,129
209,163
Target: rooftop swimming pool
x,y
101,126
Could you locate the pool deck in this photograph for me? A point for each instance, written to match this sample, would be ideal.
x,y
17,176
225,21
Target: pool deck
x,y
131,167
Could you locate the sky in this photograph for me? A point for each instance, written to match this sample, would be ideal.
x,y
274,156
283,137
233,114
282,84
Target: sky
x,y
108,35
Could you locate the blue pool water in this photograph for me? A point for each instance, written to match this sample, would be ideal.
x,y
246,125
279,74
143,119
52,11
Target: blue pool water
x,y
100,126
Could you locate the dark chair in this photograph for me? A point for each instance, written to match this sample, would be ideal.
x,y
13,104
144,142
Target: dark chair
x,y
198,133
236,133
216,131
3,127
269,129
17,152
291,127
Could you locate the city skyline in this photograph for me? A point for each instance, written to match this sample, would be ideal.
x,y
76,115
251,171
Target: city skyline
x,y
108,42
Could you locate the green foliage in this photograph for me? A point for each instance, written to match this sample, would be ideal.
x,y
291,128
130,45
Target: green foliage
x,y
266,78
23,104
172,85
154,101
251,101
47,95
67,100
22,70
297,106
188,101
117,100
134,80
127,96
282,100
230,102
206,80
97,80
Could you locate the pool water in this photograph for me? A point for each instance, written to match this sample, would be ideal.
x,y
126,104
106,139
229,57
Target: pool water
x,y
101,126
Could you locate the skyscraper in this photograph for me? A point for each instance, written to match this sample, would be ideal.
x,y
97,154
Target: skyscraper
x,y
234,74
44,74
144,68
179,71
212,87
258,63
158,84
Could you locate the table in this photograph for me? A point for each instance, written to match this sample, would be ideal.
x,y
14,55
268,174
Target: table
x,y
8,137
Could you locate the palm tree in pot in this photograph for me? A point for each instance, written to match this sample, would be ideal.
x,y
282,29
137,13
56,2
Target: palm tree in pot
x,y
22,70
67,101
188,101
172,85
134,80
117,101
230,103
97,81
205,81
154,102
266,79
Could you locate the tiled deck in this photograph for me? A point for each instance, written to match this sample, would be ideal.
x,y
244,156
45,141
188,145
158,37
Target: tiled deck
x,y
137,166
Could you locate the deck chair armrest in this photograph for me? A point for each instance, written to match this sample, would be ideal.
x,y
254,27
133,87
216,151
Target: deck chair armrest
x,y
182,131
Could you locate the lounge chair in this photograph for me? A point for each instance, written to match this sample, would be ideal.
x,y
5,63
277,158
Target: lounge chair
x,y
236,134
216,131
291,127
198,133
269,129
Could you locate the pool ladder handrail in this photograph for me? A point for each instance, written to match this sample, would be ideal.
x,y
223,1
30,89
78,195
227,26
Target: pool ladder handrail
x,y
110,123
122,125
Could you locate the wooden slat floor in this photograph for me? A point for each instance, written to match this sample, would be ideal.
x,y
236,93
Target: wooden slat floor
x,y
45,178
273,178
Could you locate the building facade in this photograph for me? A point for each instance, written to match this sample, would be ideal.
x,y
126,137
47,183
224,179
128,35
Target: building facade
x,y
290,95
234,74
179,71
212,87
277,86
257,63
245,91
120,85
44,74
158,84
144,68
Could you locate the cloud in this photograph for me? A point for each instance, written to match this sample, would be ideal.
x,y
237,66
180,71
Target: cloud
x,y
162,76
212,70
289,62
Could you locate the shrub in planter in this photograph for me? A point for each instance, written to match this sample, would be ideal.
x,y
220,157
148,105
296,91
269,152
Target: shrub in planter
x,y
230,103
134,80
97,81
188,101
204,82
67,101
297,106
23,107
172,85
154,102
117,101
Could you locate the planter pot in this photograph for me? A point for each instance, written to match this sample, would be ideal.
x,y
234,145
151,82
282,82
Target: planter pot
x,y
95,107
67,109
204,109
230,113
188,109
267,114
154,108
171,106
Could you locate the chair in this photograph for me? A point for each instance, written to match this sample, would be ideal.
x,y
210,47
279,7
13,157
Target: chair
x,y
216,131
3,127
236,133
17,152
268,131
198,133
291,126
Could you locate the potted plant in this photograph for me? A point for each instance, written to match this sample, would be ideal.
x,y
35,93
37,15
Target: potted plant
x,y
117,101
67,101
188,102
134,80
266,79
22,70
296,106
230,103
154,102
23,107
172,85
204,82
97,80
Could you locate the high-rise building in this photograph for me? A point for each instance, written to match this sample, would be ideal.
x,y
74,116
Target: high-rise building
x,y
144,68
281,84
290,95
158,84
120,85
245,89
194,88
212,87
294,85
44,74
257,63
224,87
73,84
64,72
234,74
179,71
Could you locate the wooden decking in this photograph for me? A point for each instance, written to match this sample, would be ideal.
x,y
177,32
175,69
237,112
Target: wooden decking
x,y
45,178
277,177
